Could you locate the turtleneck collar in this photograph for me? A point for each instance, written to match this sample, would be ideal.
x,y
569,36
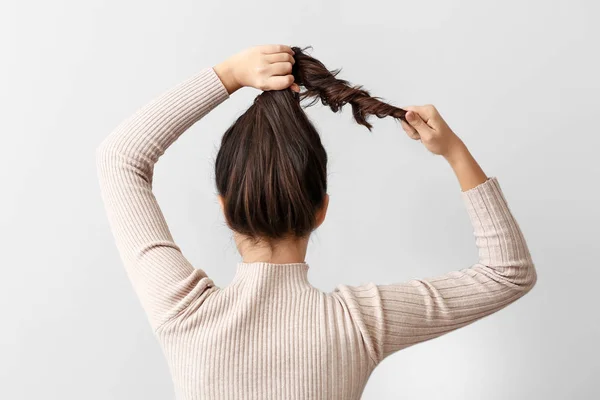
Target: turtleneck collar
x,y
288,276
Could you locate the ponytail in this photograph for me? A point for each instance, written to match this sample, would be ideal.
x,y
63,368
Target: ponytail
x,y
322,84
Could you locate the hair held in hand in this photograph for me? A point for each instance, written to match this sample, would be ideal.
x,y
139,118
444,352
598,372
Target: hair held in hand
x,y
271,168
323,84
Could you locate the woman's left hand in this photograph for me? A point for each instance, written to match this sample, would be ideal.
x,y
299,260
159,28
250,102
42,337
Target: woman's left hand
x,y
267,67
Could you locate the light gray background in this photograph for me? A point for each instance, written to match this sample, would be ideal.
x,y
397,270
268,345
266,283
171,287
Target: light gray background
x,y
517,80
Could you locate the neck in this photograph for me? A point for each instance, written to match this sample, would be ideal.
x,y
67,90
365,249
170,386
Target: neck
x,y
285,251
267,278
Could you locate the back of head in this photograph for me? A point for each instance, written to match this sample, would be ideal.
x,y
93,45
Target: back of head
x,y
271,168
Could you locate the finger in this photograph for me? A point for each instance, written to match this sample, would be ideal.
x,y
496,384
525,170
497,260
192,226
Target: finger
x,y
418,124
426,112
279,82
410,131
280,68
295,87
276,48
279,57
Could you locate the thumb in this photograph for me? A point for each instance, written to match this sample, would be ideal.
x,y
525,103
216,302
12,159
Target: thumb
x,y
416,122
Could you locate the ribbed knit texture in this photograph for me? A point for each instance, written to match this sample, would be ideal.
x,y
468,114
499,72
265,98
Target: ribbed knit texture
x,y
270,334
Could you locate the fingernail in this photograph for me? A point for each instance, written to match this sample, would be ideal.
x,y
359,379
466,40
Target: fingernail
x,y
409,115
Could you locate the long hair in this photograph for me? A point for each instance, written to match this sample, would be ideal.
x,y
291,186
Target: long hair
x,y
271,168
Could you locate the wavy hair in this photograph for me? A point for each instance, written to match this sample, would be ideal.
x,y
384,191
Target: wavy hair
x,y
271,168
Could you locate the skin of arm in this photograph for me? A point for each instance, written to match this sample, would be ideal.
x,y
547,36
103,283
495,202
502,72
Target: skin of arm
x,y
467,170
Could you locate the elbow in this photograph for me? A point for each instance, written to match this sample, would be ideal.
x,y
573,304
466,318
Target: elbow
x,y
110,152
521,276
113,164
105,156
524,276
109,158
531,278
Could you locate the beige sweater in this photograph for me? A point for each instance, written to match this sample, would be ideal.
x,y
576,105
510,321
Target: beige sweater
x,y
270,334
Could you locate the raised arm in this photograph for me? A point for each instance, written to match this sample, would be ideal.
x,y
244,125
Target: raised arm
x,y
161,276
164,280
394,316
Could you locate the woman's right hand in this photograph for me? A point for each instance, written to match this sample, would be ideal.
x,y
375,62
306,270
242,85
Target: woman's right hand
x,y
427,125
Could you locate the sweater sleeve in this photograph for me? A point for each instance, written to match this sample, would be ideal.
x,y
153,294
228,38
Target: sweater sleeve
x,y
394,316
161,276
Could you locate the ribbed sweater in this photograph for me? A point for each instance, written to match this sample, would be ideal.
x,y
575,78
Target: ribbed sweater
x,y
270,334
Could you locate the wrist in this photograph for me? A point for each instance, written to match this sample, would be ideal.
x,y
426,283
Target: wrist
x,y
456,152
225,72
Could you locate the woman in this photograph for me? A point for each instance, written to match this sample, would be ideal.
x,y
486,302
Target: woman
x,y
270,333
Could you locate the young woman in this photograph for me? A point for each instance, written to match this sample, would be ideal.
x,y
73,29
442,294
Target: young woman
x,y
270,334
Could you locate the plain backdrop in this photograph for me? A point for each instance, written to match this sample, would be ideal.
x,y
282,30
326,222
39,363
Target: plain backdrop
x,y
517,80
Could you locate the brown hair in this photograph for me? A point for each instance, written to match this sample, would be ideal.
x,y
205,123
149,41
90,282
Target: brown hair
x,y
271,168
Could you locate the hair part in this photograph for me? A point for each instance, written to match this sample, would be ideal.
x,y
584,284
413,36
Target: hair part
x,y
271,168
